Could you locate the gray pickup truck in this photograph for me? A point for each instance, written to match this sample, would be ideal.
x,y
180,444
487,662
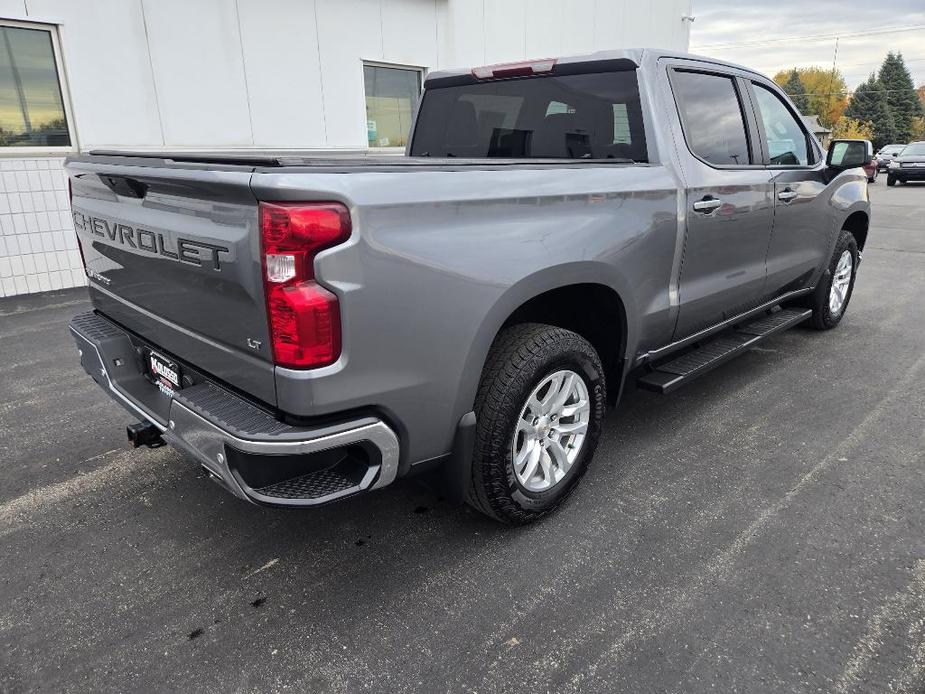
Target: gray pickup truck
x,y
309,327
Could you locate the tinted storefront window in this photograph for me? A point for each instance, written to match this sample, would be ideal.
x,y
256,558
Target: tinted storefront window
x,y
31,105
391,95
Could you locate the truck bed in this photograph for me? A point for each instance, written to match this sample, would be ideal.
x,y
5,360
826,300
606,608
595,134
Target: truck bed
x,y
467,234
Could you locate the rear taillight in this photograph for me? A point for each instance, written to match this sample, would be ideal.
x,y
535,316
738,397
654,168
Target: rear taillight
x,y
304,317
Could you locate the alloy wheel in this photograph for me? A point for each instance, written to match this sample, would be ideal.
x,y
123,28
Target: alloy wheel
x,y
551,430
841,282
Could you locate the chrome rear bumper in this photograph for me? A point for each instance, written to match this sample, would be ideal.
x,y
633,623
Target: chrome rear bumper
x,y
241,445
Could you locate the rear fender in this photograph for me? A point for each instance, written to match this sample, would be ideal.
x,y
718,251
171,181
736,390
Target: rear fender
x,y
531,286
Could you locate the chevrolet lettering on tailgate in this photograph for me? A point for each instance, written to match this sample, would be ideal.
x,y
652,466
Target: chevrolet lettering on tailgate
x,y
187,250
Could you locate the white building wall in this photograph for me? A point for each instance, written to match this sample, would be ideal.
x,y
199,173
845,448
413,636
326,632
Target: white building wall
x,y
197,61
274,34
38,248
263,73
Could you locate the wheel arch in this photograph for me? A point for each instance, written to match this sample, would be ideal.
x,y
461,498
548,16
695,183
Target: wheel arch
x,y
858,223
594,311
594,288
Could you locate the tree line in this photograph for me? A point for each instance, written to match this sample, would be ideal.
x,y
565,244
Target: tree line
x,y
886,108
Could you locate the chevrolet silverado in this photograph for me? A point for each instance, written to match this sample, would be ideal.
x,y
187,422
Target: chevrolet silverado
x,y
309,327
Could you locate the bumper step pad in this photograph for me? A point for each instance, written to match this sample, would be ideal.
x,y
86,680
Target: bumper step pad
x,y
671,375
314,485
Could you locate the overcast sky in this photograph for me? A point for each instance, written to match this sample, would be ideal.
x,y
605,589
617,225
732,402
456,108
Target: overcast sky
x,y
721,23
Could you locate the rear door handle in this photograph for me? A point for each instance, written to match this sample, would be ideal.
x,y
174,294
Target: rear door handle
x,y
787,195
708,204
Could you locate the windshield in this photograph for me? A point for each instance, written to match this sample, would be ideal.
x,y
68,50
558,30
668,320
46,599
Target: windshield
x,y
578,116
915,149
891,149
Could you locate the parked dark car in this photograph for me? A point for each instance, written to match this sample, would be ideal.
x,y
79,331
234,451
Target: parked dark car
x,y
908,166
887,154
872,168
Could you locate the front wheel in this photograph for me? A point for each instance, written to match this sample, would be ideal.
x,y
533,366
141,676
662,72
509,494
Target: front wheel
x,y
830,300
538,411
890,180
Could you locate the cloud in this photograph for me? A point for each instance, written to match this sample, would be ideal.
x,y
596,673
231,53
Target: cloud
x,y
723,26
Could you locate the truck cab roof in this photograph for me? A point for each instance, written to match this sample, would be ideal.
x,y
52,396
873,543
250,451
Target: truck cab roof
x,y
631,58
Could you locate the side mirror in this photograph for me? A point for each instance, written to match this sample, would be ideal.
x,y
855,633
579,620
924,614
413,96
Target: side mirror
x,y
849,154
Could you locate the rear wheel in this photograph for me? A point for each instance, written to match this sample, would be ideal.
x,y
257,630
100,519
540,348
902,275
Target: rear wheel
x,y
830,300
538,418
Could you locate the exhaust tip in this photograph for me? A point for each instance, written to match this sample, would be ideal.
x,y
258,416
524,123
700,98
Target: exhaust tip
x,y
144,434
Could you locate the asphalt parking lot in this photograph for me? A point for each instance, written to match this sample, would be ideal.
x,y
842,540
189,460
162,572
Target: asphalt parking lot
x,y
761,530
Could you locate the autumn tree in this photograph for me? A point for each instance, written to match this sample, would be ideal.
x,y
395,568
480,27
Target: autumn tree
x,y
826,92
918,124
853,129
918,129
797,92
900,95
869,105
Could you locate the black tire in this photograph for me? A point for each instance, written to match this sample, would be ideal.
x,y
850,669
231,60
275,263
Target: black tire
x,y
520,358
890,180
823,318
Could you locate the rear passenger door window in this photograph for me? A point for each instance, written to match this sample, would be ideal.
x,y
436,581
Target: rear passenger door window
x,y
712,117
788,144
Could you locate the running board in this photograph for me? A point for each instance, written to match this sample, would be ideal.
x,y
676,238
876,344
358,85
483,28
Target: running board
x,y
671,375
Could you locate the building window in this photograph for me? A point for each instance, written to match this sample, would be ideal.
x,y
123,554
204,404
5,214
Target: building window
x,y
621,125
391,95
32,110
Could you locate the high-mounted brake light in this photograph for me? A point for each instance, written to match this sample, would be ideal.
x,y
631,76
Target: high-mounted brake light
x,y
525,68
304,317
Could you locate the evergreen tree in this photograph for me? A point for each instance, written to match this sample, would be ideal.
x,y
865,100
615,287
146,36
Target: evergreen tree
x,y
900,94
797,92
869,105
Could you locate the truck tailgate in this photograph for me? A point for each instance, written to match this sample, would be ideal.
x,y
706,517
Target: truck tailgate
x,y
173,254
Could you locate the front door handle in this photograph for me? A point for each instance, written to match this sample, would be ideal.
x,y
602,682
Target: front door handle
x,y
708,204
787,195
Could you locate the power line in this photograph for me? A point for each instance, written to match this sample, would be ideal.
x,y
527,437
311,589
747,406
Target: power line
x,y
818,37
880,62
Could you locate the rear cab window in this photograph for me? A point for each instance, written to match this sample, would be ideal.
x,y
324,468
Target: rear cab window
x,y
595,115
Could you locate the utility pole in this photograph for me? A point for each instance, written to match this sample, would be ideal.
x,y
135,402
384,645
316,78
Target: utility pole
x,y
828,99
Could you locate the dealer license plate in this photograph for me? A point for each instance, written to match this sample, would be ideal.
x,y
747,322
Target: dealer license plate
x,y
166,373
